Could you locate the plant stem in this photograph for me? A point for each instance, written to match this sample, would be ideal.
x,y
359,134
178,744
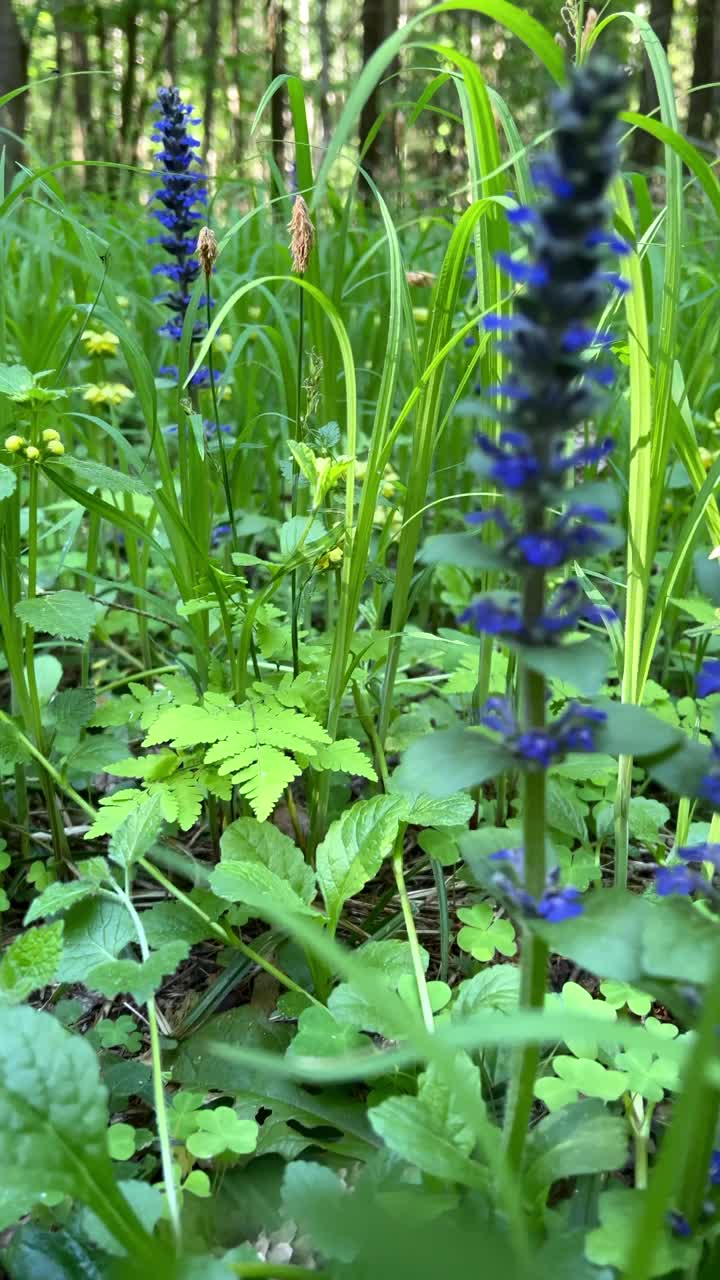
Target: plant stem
x,y
294,603
418,966
226,936
158,1088
278,1270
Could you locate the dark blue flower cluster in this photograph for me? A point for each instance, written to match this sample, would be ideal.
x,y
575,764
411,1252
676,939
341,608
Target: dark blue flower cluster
x,y
552,343
180,195
555,904
539,748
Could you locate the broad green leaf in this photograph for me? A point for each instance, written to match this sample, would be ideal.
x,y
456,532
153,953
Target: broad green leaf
x,y
30,962
454,810
579,1139
315,1196
15,380
66,614
59,896
610,1244
167,921
95,931
53,1118
582,665
496,987
96,475
247,840
635,731
354,848
8,481
447,759
38,1254
254,885
141,979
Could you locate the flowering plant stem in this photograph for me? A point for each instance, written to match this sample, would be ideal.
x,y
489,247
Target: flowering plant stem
x,y
409,919
294,602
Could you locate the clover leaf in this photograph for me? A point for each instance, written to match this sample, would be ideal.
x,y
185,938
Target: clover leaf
x,y
619,994
220,1130
482,935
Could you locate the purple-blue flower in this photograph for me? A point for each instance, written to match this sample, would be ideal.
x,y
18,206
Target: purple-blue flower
x,y
573,730
708,680
554,905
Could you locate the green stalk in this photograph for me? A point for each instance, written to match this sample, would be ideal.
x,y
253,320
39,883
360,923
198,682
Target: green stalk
x,y
694,1117
409,919
158,1086
294,603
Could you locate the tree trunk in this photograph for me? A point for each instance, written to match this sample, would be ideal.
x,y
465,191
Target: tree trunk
x,y
211,57
232,82
129,82
701,101
645,148
170,49
324,81
56,98
379,20
82,96
14,54
277,23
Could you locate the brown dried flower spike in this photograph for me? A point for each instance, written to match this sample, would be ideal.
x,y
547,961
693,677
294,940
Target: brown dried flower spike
x,y
302,234
207,250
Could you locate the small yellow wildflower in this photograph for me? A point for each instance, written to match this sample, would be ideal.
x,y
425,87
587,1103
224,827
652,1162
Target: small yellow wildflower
x,y
56,446
224,343
100,344
31,453
14,443
107,393
50,434
707,457
361,468
331,559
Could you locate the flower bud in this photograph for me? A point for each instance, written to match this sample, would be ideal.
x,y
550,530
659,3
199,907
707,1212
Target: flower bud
x,y
31,453
14,443
56,447
50,434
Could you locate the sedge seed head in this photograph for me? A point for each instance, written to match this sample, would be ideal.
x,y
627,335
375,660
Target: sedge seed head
x,y
302,235
207,250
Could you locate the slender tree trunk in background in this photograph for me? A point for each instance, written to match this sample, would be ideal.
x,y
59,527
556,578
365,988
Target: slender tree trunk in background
x,y
701,102
232,82
645,149
82,99
379,20
277,22
14,54
324,81
109,141
211,57
56,101
170,46
129,81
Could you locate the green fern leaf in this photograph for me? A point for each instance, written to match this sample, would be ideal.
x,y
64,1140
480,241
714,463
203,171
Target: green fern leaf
x,y
345,756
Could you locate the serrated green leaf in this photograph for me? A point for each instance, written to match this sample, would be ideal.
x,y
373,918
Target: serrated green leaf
x,y
253,885
30,962
59,897
454,810
140,979
138,833
496,987
15,380
442,761
247,840
95,931
96,475
354,848
345,756
65,614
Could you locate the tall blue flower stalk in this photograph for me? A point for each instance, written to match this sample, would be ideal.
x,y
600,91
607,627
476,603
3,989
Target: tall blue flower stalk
x,y
554,352
182,197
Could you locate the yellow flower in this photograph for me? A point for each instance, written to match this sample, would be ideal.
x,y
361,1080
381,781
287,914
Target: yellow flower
x,y
707,457
50,434
56,446
14,443
331,559
31,453
107,393
224,343
100,344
